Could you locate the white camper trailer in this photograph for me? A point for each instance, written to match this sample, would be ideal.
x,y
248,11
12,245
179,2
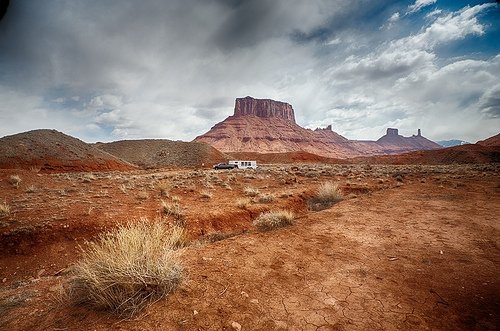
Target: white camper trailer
x,y
244,164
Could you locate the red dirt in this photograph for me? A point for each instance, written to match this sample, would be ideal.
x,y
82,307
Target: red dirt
x,y
412,247
470,153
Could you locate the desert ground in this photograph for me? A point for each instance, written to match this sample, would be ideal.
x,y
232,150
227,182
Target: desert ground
x,y
410,247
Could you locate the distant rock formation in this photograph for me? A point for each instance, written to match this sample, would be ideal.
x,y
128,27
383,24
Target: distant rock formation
x,y
268,126
267,108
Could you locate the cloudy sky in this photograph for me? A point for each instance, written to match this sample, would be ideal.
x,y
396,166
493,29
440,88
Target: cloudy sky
x,y
104,70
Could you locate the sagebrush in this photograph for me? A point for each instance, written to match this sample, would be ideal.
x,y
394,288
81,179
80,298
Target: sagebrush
x,y
274,219
327,195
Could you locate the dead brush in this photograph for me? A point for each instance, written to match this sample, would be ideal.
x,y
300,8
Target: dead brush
x,y
127,269
15,180
266,198
164,188
274,219
4,209
327,195
243,203
174,210
250,191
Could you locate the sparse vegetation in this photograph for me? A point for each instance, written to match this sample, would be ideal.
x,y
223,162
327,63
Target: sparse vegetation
x,y
4,209
206,194
266,198
243,203
15,180
164,188
128,268
250,191
175,211
31,189
35,168
142,195
328,194
274,219
87,178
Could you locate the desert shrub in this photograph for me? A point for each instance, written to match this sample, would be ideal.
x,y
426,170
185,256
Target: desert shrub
x,y
31,189
142,195
164,188
266,198
177,237
250,191
328,194
175,211
274,219
4,209
87,178
15,180
243,203
206,194
127,268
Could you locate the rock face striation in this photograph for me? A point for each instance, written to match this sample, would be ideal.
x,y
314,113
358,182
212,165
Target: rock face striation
x,y
249,106
268,126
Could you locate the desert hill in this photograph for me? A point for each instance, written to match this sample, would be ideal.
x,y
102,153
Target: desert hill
x,y
158,153
491,141
51,150
469,153
268,126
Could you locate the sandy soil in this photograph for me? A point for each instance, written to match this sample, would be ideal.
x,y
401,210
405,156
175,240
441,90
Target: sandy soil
x,y
411,247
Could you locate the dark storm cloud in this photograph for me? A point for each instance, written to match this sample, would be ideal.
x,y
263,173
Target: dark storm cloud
x,y
253,21
490,102
4,5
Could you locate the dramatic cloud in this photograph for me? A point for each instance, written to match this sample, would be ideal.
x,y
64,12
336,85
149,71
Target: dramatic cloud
x,y
172,69
419,4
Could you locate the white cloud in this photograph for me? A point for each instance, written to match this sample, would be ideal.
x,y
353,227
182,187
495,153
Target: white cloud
x,y
419,4
401,84
142,78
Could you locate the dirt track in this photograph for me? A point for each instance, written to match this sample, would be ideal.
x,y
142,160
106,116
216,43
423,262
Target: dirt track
x,y
423,255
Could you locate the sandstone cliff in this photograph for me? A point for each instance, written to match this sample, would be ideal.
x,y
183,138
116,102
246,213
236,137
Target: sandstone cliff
x,y
268,126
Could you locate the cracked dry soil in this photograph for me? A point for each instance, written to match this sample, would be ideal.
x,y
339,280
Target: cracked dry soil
x,y
420,256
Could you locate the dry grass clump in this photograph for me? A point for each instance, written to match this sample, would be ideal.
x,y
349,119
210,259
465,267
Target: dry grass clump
x,y
31,189
206,194
274,219
4,209
250,191
243,203
175,211
15,180
328,194
127,268
142,195
266,198
87,178
164,188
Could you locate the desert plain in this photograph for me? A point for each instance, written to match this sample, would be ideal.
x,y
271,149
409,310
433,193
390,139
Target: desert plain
x,y
409,247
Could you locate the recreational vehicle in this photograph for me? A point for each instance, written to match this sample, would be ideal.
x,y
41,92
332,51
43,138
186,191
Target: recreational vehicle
x,y
244,164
